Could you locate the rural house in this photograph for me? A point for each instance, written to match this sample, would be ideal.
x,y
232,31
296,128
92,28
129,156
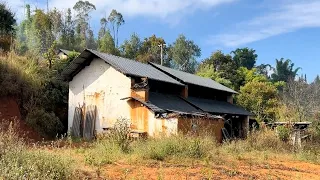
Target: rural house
x,y
156,99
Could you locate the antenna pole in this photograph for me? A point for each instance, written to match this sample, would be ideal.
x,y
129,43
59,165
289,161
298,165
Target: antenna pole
x,y
161,53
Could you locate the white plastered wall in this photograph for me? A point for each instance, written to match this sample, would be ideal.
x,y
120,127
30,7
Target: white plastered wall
x,y
161,126
101,85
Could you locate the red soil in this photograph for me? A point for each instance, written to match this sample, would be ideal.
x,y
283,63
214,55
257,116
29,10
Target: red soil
x,y
9,112
271,170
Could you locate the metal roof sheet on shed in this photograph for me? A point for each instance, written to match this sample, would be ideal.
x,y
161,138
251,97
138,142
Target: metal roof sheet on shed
x,y
193,79
172,103
149,105
125,66
218,107
66,52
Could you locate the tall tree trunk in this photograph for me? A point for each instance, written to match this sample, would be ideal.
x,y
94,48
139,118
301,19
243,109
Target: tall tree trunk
x,y
117,34
114,34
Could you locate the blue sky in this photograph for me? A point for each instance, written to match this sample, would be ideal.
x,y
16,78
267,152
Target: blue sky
x,y
274,28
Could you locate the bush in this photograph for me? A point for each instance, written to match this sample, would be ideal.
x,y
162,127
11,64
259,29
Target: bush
x,y
120,134
34,86
19,162
283,133
262,140
103,152
47,124
174,146
34,165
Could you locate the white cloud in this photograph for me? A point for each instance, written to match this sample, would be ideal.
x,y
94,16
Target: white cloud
x,y
162,9
287,18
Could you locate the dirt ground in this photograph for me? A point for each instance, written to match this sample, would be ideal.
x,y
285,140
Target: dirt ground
x,y
9,111
269,170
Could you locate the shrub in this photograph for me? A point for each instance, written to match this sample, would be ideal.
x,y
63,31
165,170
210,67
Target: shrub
x,y
120,134
283,133
34,165
19,162
47,124
34,86
262,140
103,152
174,146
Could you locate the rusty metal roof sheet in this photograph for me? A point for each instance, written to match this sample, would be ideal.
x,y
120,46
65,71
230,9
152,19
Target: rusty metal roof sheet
x,y
218,107
125,66
193,79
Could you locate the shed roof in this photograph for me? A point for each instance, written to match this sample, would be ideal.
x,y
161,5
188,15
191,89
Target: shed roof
x,y
124,65
66,52
218,107
172,103
193,79
149,105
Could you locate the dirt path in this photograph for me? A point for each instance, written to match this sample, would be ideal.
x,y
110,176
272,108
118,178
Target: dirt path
x,y
269,170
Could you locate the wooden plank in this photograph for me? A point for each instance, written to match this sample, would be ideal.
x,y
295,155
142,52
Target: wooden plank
x,y
89,123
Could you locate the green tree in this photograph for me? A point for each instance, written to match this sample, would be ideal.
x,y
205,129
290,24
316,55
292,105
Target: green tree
x,y
23,33
91,43
106,44
284,70
210,72
245,57
41,27
83,9
183,53
263,69
222,65
151,52
103,29
260,98
132,47
51,55
67,38
116,20
7,30
245,76
56,22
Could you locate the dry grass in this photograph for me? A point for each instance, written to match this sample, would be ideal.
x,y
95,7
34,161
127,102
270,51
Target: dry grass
x,y
174,157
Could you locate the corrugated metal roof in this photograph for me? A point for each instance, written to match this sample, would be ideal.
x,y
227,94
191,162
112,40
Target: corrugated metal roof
x,y
149,105
193,79
218,107
125,66
164,103
172,103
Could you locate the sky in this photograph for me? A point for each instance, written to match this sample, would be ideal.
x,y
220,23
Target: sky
x,y
274,28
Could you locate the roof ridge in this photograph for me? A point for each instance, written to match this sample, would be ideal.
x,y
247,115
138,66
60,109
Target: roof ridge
x,y
201,80
124,58
132,67
152,63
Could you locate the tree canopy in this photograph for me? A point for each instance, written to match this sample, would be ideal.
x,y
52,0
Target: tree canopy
x,y
183,53
245,57
7,30
284,70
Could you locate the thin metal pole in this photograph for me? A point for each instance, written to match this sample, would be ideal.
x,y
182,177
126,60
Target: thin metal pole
x,y
161,54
